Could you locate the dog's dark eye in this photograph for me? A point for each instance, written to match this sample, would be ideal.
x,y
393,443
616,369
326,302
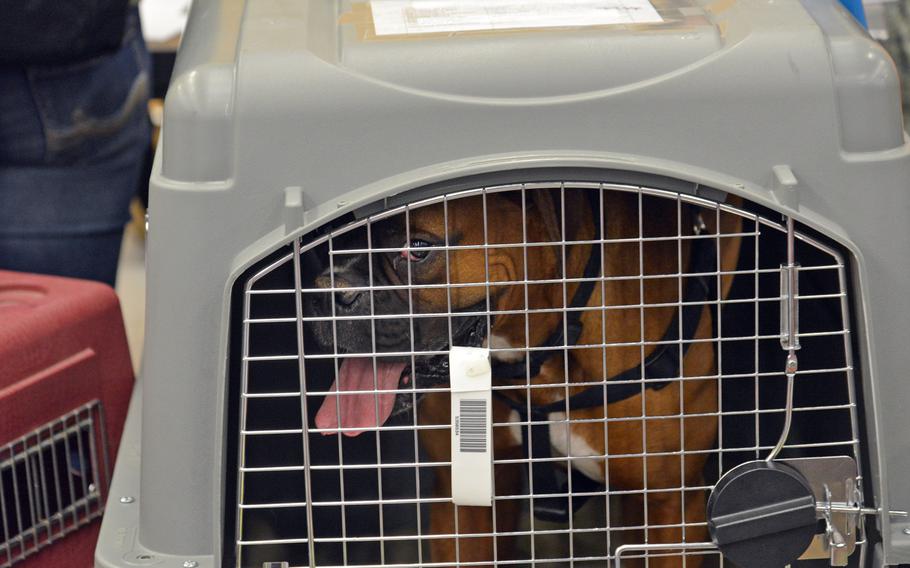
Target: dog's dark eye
x,y
416,255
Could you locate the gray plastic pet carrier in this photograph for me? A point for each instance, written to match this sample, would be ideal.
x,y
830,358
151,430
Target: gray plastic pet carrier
x,y
617,282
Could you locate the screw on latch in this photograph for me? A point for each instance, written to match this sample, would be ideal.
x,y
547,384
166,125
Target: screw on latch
x,y
792,365
190,564
126,500
835,538
907,531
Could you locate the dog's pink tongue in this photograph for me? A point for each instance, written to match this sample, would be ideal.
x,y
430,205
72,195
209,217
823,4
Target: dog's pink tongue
x,y
359,410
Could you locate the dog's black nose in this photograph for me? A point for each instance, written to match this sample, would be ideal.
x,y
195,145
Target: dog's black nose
x,y
347,297
343,298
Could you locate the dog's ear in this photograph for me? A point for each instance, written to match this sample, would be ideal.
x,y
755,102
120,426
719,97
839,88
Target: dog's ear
x,y
543,201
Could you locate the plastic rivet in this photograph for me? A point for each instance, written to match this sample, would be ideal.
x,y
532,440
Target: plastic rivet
x,y
190,564
127,500
907,531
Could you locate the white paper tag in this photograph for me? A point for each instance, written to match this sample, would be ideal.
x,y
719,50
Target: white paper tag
x,y
409,17
472,437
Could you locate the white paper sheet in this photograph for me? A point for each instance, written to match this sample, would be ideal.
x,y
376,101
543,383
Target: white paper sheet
x,y
163,19
408,17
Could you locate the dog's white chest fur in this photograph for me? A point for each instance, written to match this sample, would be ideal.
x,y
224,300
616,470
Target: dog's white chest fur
x,y
562,444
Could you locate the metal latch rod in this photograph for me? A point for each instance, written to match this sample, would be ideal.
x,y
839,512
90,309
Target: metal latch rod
x,y
789,328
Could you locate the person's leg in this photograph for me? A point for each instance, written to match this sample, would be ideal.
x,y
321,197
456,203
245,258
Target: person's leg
x,y
63,221
72,140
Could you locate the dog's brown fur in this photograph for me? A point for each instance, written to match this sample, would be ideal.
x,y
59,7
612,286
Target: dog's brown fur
x,y
634,437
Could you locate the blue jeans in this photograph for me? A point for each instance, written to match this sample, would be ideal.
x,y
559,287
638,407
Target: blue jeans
x,y
72,143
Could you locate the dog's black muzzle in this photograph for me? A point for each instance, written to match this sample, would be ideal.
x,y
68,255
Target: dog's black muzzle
x,y
379,321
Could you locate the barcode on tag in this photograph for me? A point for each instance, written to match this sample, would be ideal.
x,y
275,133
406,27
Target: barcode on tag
x,y
472,425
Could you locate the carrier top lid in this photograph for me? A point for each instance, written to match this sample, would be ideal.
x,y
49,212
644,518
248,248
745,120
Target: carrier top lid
x,y
298,86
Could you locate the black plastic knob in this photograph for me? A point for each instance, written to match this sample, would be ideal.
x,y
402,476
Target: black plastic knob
x,y
762,515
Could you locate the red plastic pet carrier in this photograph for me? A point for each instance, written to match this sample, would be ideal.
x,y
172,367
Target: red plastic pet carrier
x,y
65,383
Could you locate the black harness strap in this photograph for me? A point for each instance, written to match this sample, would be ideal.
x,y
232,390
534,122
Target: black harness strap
x,y
530,367
569,330
660,367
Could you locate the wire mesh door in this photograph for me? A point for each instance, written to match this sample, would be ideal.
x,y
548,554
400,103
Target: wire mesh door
x,y
635,344
53,481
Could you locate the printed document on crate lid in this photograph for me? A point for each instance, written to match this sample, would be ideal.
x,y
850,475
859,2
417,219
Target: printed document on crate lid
x,y
414,17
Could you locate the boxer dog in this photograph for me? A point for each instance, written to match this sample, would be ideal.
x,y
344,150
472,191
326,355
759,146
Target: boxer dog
x,y
651,427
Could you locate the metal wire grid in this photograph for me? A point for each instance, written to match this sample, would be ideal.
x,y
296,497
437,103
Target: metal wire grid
x,y
311,497
52,481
